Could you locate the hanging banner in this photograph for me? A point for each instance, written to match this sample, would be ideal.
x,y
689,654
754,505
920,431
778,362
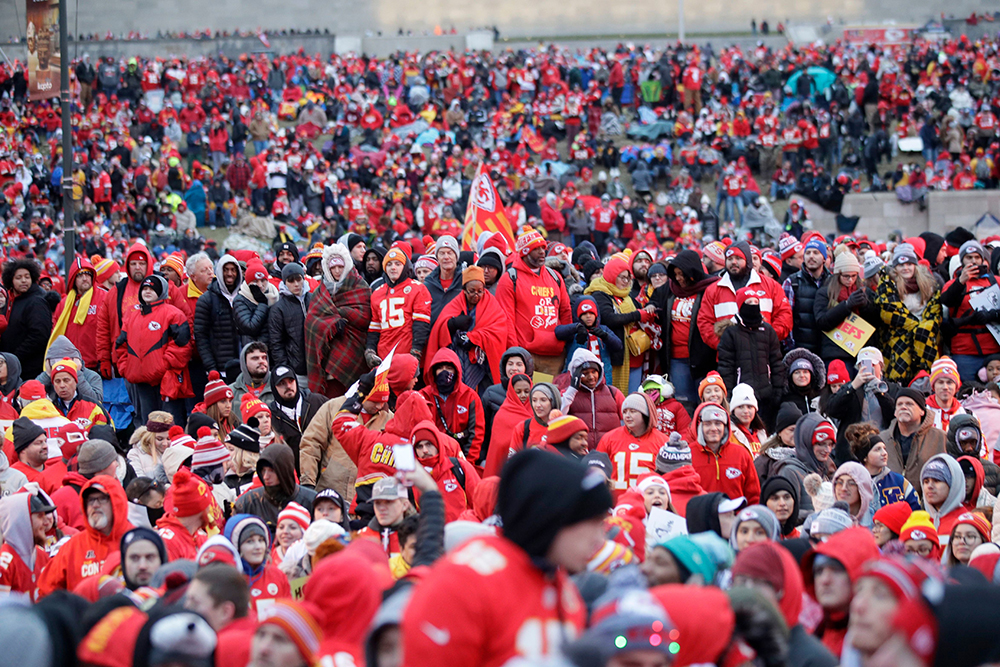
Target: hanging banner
x,y
44,50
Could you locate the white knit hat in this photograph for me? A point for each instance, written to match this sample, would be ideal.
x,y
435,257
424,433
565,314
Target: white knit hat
x,y
847,262
743,395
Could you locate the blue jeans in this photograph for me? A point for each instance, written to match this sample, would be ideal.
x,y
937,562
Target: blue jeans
x,y
685,389
259,147
780,191
968,365
727,203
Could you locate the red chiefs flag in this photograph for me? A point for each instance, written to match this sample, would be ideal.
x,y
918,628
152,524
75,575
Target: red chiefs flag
x,y
485,212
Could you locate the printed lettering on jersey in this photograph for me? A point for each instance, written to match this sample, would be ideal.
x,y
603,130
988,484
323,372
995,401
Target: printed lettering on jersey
x,y
481,558
733,473
6,558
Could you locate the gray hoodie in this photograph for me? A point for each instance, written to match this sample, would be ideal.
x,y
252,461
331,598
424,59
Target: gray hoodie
x,y
15,523
90,386
240,387
956,490
10,479
227,259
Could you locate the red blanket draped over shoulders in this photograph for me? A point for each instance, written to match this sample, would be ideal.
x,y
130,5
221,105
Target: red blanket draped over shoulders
x,y
489,331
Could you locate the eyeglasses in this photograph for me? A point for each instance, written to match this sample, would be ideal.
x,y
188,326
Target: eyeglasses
x,y
968,538
845,483
921,550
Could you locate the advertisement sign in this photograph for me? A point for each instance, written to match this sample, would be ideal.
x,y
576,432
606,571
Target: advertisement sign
x,y
885,35
44,50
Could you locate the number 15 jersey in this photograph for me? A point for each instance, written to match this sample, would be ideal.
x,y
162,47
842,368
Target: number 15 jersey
x,y
395,311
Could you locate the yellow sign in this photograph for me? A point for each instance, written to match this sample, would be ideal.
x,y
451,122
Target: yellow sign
x,y
852,334
297,585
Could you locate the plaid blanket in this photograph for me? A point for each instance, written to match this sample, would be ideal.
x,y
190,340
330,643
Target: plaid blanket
x,y
911,341
333,355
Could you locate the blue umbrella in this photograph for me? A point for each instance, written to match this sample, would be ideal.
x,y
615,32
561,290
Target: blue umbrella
x,y
822,79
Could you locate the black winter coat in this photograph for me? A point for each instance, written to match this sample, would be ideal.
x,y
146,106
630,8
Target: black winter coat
x,y
439,296
846,407
828,318
287,427
753,356
251,320
286,324
804,329
215,330
615,321
29,325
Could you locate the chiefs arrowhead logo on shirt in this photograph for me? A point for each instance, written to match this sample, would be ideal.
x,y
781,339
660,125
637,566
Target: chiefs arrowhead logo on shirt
x,y
154,326
450,486
733,473
633,446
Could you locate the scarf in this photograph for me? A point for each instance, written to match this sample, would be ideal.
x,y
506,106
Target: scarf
x,y
693,289
193,292
79,316
623,304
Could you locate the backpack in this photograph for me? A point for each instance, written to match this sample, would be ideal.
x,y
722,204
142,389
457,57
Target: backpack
x,y
458,471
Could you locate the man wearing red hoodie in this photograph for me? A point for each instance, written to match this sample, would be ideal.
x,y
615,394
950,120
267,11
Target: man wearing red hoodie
x,y
536,297
346,588
456,478
722,464
455,408
633,447
831,569
496,598
106,508
76,315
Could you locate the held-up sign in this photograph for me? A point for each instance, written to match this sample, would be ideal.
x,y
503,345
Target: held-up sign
x,y
661,525
852,334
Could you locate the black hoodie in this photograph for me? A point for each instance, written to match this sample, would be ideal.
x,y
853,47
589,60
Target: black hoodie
x,y
267,502
702,513
701,357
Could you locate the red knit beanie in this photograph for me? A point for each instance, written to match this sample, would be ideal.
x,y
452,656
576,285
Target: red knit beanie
x,y
613,269
250,406
216,390
191,495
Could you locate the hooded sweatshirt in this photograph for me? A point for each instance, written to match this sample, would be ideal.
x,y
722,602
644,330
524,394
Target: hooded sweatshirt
x,y
600,408
244,385
84,554
267,501
84,334
731,470
345,587
459,414
457,497
266,581
13,382
944,517
120,300
215,332
89,386
21,561
633,454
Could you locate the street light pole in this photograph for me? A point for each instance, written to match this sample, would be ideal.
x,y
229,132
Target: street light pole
x,y
680,20
69,217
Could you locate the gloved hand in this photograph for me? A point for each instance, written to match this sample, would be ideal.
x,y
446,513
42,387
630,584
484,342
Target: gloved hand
x,y
991,316
857,299
107,370
366,383
372,359
121,339
576,376
459,323
677,441
341,325
172,331
582,334
646,317
258,293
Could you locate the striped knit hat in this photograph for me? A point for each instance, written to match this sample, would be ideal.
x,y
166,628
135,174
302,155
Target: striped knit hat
x,y
298,623
104,268
179,437
176,262
250,406
562,427
216,390
945,367
527,242
208,451
296,513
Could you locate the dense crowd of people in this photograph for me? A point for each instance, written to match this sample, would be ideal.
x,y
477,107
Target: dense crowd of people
x,y
608,433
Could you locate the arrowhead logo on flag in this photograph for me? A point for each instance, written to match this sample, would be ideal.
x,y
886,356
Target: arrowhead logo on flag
x,y
380,392
485,212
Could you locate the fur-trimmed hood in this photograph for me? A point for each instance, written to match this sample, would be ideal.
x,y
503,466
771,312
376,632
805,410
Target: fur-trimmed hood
x,y
329,252
818,373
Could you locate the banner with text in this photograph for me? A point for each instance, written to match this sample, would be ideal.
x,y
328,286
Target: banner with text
x,y
44,49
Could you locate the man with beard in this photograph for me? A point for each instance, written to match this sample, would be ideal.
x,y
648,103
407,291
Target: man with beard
x,y
276,470
143,552
287,253
22,557
106,508
372,263
719,303
215,332
535,298
293,408
641,261
801,289
255,374
76,315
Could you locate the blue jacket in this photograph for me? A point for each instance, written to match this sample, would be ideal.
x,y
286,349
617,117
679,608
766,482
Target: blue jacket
x,y
599,335
891,487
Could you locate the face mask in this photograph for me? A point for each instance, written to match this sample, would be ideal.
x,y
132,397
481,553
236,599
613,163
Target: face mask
x,y
750,314
445,381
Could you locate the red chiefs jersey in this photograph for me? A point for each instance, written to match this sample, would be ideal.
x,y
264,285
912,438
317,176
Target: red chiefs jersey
x,y
394,310
485,604
631,456
179,542
16,576
268,586
603,217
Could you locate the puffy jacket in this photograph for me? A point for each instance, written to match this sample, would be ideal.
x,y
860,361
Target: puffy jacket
x,y
537,303
991,470
121,299
349,594
461,412
441,297
286,325
29,325
828,318
83,336
215,330
805,287
84,554
251,317
846,406
927,442
719,305
753,356
971,338
637,451
599,408
729,471
154,341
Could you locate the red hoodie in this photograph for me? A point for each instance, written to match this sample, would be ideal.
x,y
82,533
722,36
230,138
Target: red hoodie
x,y
67,500
457,498
539,303
731,470
486,603
461,413
853,548
84,554
685,484
345,587
632,455
84,335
